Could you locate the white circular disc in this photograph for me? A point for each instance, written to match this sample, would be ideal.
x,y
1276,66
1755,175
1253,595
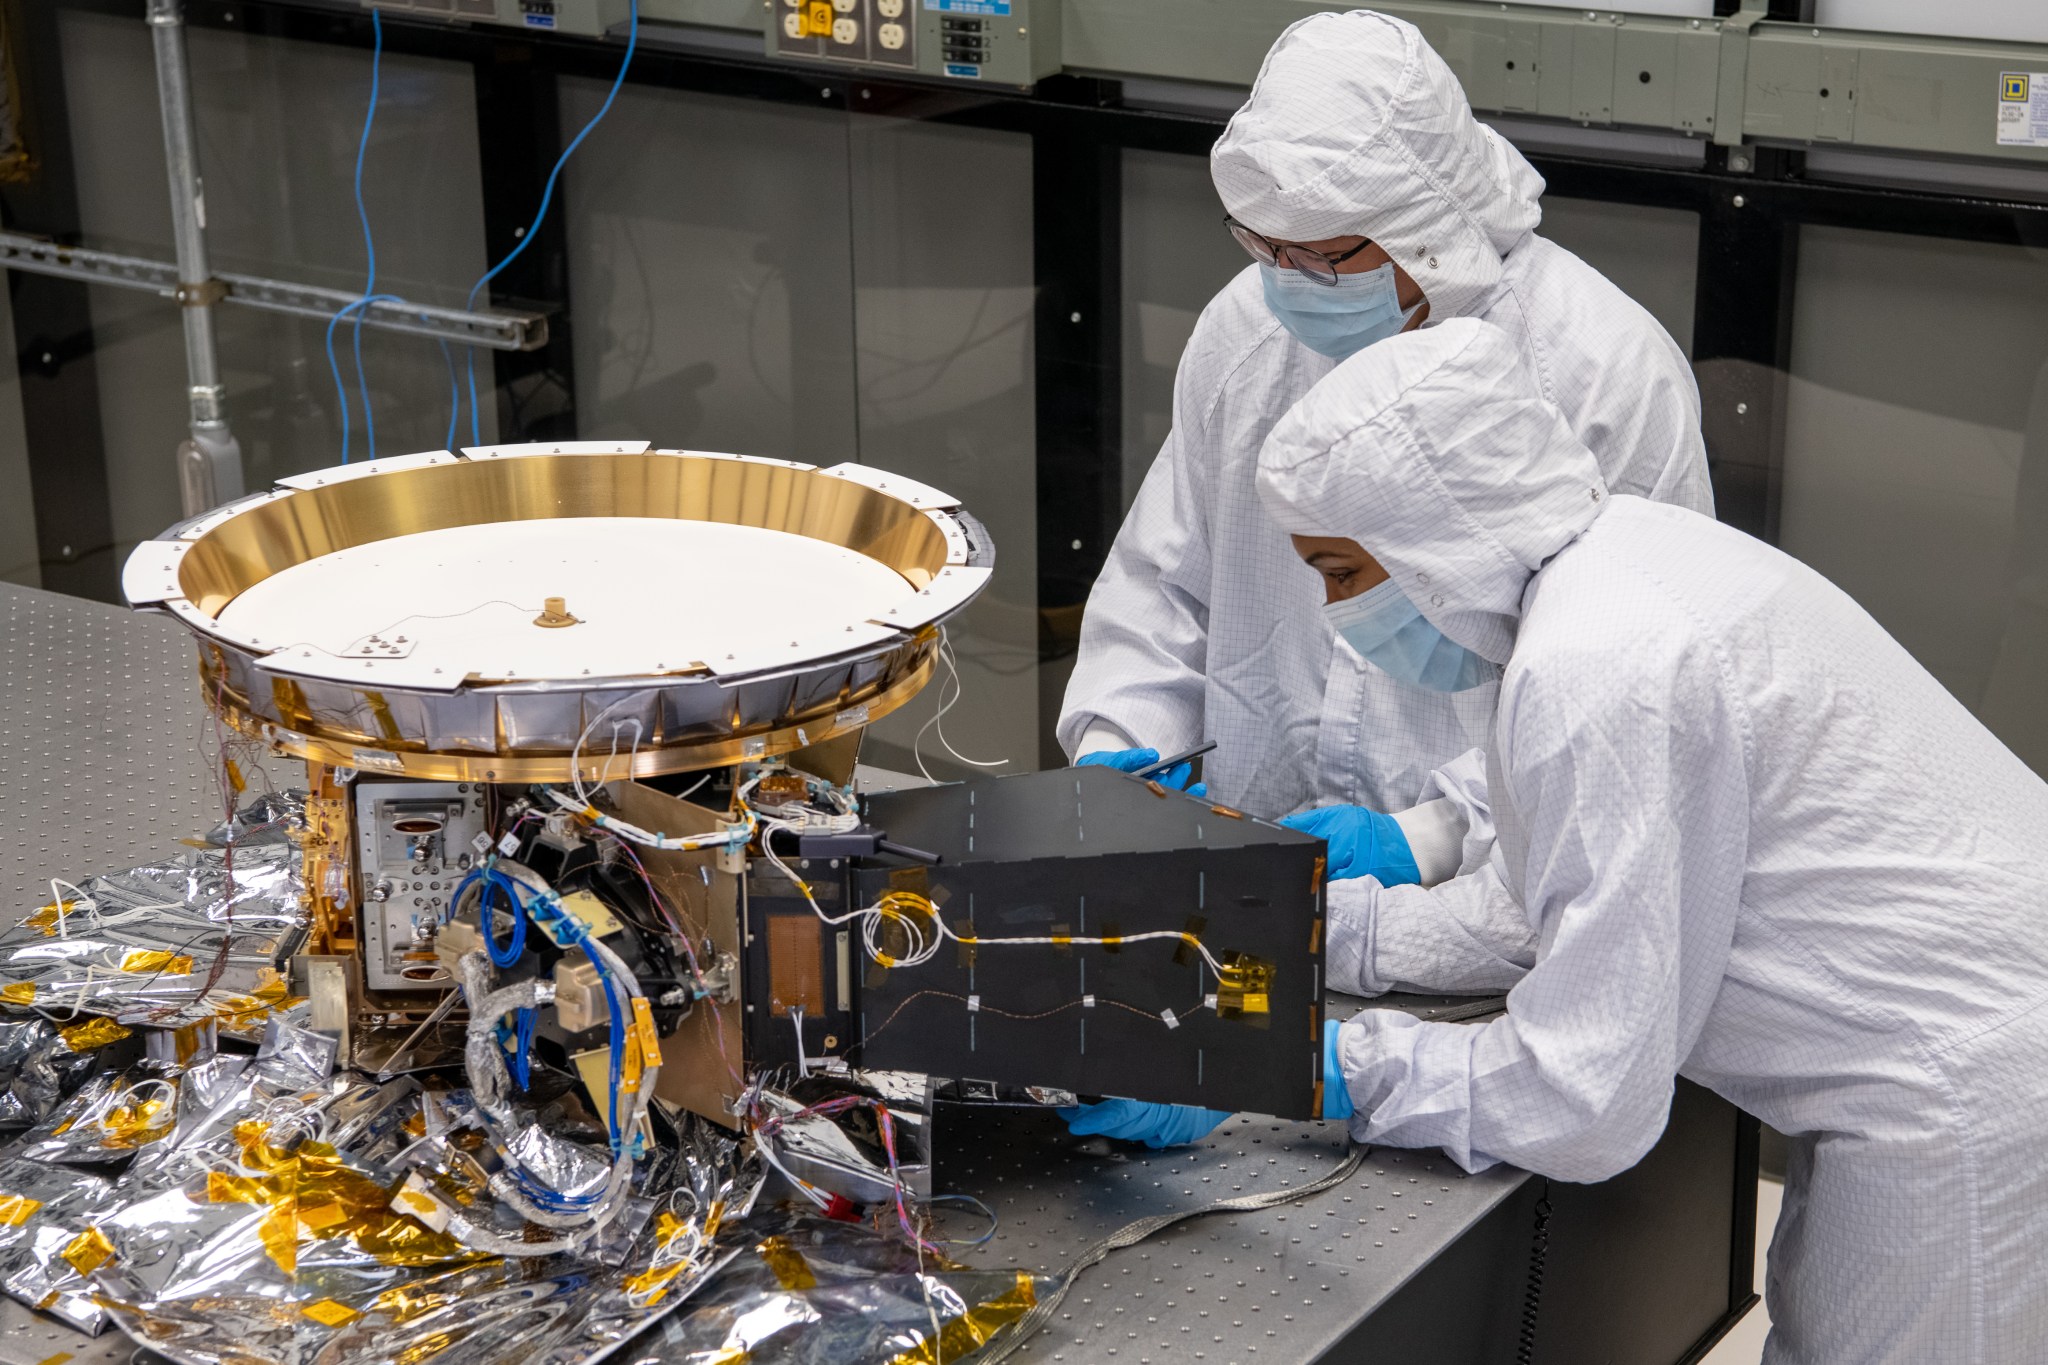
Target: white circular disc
x,y
650,594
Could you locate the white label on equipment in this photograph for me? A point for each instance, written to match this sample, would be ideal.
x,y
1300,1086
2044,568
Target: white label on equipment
x,y
1166,1017
508,845
973,1004
2023,109
1087,1002
481,842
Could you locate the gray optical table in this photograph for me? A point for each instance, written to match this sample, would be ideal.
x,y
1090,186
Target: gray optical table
x,y
102,765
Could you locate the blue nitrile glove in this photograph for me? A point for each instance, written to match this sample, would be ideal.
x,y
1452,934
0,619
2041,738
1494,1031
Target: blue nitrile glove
x,y
1137,760
1155,1125
1336,1094
1363,843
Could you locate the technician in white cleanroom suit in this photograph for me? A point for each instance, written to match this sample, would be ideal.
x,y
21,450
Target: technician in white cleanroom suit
x,y
1760,846
1358,143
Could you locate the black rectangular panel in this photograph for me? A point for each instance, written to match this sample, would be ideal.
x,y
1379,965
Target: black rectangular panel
x,y
1082,853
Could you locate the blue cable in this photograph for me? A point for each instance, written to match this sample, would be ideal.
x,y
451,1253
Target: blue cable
x,y
334,322
618,1050
515,948
454,391
522,1056
547,195
369,250
494,882
575,935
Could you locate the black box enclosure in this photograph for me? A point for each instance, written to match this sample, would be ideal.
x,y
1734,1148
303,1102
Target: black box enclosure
x,y
1091,853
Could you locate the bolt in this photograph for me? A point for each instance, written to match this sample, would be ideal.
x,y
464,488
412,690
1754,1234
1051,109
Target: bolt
x,y
519,232
826,93
1739,201
1741,409
1073,317
1077,545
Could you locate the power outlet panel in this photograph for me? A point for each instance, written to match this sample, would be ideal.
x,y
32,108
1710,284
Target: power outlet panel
x,y
878,34
999,42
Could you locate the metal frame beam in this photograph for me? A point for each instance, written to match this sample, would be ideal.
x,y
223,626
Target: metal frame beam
x,y
497,330
1077,230
519,124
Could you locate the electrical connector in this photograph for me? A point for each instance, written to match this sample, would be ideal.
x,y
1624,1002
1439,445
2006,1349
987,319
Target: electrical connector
x,y
579,994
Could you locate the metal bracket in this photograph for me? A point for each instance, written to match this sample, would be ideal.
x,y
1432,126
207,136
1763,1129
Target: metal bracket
x,y
1728,130
203,295
493,330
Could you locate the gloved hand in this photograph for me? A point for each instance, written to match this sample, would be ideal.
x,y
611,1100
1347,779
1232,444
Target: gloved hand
x,y
1363,843
1336,1094
1137,760
1155,1125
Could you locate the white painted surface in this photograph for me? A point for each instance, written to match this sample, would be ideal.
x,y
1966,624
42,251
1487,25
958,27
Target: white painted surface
x,y
2020,20
650,594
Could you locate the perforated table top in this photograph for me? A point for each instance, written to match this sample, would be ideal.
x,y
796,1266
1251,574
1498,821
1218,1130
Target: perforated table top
x,y
102,764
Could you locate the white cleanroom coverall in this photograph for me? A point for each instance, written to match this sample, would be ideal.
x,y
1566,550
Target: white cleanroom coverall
x,y
1204,625
1760,847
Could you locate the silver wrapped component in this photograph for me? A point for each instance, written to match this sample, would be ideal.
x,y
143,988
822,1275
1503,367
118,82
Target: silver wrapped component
x,y
266,818
42,1208
234,1250
841,1151
29,1081
112,1117
568,1168
141,944
812,1291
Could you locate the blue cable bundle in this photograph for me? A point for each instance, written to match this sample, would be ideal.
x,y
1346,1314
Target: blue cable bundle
x,y
525,1022
547,196
370,294
495,882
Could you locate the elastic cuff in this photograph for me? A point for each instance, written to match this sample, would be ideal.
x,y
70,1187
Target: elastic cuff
x,y
1435,831
1102,737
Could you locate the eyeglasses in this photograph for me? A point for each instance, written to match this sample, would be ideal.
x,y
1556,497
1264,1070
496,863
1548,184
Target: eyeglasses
x,y
1317,265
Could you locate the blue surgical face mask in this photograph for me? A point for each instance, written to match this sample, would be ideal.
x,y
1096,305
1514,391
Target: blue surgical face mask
x,y
1384,626
1337,320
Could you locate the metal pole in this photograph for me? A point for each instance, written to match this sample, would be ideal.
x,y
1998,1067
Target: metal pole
x,y
210,461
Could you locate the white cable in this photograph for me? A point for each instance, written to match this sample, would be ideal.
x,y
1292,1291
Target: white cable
x,y
604,778
90,905
632,833
576,751
939,716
